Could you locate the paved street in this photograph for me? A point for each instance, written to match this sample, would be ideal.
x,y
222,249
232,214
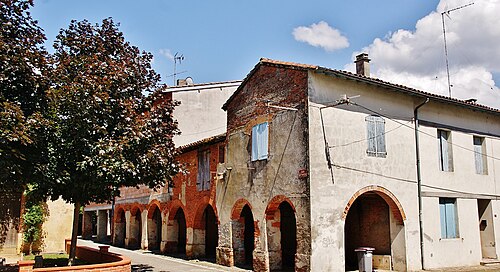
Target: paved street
x,y
145,261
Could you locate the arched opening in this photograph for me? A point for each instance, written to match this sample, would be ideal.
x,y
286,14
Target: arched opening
x,y
244,238
120,225
375,219
135,239
281,229
154,228
180,221
211,232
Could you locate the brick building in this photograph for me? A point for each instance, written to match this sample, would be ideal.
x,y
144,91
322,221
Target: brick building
x,y
314,163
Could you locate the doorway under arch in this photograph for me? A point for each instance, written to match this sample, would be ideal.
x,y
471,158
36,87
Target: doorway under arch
x,y
135,238
281,234
205,232
154,228
119,225
374,218
180,224
244,238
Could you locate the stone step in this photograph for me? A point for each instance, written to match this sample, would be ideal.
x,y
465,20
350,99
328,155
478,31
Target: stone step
x,y
487,262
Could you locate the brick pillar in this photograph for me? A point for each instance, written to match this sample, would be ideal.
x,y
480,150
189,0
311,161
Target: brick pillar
x,y
261,252
102,225
127,228
26,266
164,234
87,225
144,235
224,252
189,242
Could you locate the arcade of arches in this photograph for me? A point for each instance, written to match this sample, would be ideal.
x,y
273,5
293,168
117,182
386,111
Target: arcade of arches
x,y
174,229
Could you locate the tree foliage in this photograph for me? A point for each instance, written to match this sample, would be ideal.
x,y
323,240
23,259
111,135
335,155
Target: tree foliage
x,y
23,69
108,133
33,218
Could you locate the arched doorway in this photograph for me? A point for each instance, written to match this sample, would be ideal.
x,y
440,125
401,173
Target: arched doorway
x,y
288,229
180,221
281,230
120,225
211,232
244,238
374,218
135,239
154,228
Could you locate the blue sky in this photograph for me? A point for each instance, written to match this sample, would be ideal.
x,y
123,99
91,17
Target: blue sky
x,y
223,40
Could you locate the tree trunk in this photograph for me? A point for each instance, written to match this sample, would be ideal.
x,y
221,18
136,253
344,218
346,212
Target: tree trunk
x,y
74,233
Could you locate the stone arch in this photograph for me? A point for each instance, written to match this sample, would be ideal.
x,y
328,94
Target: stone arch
x,y
120,224
154,225
281,231
374,217
135,239
238,207
176,229
244,231
205,230
390,198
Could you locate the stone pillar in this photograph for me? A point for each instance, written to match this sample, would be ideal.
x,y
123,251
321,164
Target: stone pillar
x,y
144,234
164,234
102,225
261,253
127,228
87,225
224,252
110,220
189,242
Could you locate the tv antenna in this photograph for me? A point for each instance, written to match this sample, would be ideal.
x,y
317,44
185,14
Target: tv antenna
x,y
447,13
177,58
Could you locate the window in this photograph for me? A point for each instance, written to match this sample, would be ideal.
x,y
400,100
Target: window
x,y
375,127
259,141
203,180
445,151
448,214
480,155
222,152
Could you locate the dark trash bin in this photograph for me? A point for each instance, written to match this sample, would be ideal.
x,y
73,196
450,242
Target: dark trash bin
x,y
365,256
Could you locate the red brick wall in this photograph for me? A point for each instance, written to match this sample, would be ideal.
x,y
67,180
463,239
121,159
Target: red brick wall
x,y
285,87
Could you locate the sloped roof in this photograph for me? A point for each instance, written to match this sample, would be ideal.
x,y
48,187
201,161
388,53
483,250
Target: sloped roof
x,y
197,144
363,79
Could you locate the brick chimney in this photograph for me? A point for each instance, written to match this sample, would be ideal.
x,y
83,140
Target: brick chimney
x,y
362,64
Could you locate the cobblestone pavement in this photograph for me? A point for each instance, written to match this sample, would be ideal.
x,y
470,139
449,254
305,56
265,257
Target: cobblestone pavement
x,y
145,261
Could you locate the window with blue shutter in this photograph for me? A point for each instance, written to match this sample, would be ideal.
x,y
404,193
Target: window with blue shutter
x,y
375,133
448,215
480,156
203,178
445,151
260,136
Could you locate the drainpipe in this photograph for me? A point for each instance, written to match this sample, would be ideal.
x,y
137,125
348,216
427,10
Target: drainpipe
x,y
419,182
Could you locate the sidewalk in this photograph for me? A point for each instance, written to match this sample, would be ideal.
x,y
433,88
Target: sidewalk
x,y
143,261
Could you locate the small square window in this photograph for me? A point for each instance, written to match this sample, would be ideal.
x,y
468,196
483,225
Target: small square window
x,y
260,136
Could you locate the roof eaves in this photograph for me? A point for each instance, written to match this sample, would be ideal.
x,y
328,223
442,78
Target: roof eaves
x,y
202,142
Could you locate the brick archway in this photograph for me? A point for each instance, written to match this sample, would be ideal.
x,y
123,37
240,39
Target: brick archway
x,y
151,207
238,208
392,201
154,225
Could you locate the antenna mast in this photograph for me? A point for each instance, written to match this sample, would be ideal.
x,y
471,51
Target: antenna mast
x,y
447,13
177,58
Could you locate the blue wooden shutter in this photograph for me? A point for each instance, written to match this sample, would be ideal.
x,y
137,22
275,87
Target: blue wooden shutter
x,y
442,214
478,155
380,133
451,221
371,135
260,136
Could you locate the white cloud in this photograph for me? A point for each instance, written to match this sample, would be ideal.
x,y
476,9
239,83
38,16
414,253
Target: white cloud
x,y
166,53
321,35
416,58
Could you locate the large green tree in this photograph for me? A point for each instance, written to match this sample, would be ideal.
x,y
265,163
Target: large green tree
x,y
107,133
23,82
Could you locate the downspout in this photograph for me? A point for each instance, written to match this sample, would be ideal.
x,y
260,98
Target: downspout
x,y
419,182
